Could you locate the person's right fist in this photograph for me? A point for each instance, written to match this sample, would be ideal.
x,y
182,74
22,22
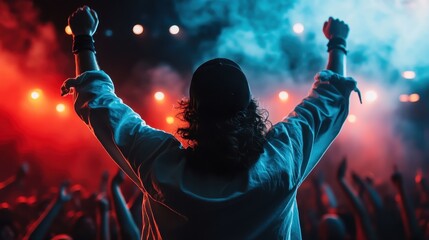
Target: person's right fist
x,y
84,21
335,28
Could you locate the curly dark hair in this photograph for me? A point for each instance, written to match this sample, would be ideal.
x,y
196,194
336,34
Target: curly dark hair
x,y
224,146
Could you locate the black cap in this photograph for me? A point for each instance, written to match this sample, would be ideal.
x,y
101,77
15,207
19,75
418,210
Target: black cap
x,y
219,89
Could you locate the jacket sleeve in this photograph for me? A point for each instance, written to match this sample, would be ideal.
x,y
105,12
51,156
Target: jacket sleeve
x,y
307,132
131,143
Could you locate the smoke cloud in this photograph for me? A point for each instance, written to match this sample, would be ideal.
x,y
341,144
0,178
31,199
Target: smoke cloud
x,y
56,145
386,38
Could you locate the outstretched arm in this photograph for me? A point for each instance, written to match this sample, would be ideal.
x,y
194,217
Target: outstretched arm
x,y
326,201
365,229
103,217
40,228
411,226
318,119
15,179
127,226
336,31
84,23
129,141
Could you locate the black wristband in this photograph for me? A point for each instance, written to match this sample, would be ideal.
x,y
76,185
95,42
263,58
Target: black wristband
x,y
83,42
337,43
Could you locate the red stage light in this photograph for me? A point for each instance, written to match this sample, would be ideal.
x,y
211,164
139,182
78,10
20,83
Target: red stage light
x,y
159,96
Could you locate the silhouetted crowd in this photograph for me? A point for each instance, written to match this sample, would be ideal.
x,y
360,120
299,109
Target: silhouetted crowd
x,y
359,208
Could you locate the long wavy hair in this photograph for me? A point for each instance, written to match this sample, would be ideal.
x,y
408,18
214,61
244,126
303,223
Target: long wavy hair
x,y
224,146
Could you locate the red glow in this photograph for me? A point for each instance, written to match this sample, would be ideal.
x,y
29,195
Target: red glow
x,y
419,176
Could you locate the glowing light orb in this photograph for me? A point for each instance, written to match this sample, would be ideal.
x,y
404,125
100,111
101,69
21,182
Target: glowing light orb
x,y
159,96
419,176
138,29
298,28
174,29
36,94
352,118
404,98
169,119
60,107
371,96
408,74
284,96
414,97
68,30
108,33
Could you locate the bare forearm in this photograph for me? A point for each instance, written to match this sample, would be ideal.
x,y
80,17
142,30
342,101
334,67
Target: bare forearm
x,y
8,183
359,210
85,60
40,228
337,61
408,215
127,226
103,224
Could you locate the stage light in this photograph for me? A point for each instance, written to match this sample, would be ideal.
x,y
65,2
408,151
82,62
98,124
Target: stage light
x,y
371,96
298,28
108,33
404,98
169,120
174,29
414,97
408,74
36,94
159,96
352,118
284,96
138,29
419,176
60,107
68,30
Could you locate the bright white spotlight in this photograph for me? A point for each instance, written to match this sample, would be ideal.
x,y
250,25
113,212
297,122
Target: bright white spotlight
x,y
414,97
174,29
371,96
138,29
283,95
352,118
408,74
60,107
68,30
159,96
298,28
36,94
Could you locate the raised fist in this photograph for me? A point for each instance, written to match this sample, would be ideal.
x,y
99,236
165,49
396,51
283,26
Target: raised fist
x,y
84,21
335,28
